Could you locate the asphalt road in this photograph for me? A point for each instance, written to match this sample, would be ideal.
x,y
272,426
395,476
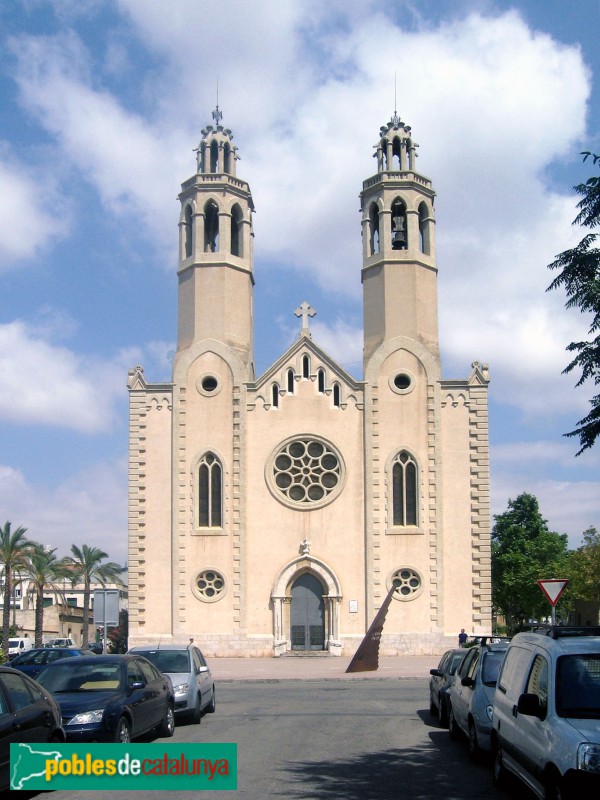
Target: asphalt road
x,y
369,739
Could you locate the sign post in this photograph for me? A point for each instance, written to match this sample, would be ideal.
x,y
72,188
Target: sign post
x,y
106,611
553,589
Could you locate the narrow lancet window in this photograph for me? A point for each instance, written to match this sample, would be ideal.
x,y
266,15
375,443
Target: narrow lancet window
x,y
211,227
373,230
424,229
404,490
236,231
188,231
214,157
321,381
305,367
210,492
275,396
290,381
337,395
399,234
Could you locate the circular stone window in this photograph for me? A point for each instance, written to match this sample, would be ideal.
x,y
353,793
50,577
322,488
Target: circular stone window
x,y
305,472
402,382
407,582
208,385
209,585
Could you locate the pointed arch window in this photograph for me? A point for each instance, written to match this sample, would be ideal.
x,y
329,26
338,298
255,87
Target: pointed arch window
x,y
275,396
236,231
337,395
404,490
321,381
227,158
210,492
424,229
306,366
399,228
373,229
214,156
211,227
290,381
396,164
188,231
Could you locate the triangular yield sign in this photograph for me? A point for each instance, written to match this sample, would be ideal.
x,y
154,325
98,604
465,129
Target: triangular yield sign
x,y
553,589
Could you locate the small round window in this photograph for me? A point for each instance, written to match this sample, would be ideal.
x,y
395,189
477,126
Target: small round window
x,y
305,473
209,585
402,382
407,582
208,385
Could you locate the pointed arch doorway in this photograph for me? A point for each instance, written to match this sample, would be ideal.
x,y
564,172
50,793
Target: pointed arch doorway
x,y
307,613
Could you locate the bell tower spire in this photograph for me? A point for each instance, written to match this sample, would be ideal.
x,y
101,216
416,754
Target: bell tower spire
x,y
215,247
399,273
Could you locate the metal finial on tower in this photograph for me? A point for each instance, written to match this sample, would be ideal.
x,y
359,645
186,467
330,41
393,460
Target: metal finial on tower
x,y
217,114
395,118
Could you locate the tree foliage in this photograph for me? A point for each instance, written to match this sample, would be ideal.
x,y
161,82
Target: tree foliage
x,y
580,277
87,566
14,550
584,568
44,570
523,552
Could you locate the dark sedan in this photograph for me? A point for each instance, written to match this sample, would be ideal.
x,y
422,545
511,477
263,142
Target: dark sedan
x,y
33,661
28,713
440,680
110,698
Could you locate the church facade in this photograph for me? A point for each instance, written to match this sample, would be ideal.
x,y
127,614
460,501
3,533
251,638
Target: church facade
x,y
272,514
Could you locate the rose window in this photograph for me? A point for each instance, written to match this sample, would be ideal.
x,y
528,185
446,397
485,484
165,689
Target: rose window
x,y
407,583
305,472
209,585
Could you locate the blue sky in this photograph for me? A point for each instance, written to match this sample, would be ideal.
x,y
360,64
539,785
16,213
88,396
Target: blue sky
x,y
101,106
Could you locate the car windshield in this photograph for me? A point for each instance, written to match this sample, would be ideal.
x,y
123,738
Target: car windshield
x,y
492,661
74,677
168,660
578,686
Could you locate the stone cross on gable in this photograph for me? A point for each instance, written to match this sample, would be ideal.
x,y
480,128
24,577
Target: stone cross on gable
x,y
305,311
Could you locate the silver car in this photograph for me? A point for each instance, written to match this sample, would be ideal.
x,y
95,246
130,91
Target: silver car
x,y
471,695
189,673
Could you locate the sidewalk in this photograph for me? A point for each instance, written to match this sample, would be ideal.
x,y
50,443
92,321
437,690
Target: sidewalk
x,y
289,668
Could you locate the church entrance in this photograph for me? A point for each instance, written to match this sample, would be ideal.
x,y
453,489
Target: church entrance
x,y
307,614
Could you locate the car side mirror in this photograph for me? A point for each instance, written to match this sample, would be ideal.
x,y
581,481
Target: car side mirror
x,y
203,669
529,705
135,685
437,673
467,681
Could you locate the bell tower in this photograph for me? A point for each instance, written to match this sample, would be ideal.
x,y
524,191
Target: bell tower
x,y
399,274
215,249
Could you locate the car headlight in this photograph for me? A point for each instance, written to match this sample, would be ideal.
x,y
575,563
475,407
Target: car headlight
x,y
87,718
588,757
181,689
489,710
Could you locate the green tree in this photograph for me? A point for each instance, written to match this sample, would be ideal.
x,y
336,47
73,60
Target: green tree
x,y
584,568
86,566
14,550
523,552
43,570
580,277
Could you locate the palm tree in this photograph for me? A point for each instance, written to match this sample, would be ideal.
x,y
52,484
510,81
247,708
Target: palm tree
x,y
14,549
85,565
43,570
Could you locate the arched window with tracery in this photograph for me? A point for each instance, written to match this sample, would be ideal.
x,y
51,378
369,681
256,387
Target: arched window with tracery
x,y
399,228
404,490
210,492
188,231
211,227
373,230
237,239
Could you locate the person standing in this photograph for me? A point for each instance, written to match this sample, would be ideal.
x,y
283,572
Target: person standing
x,y
462,638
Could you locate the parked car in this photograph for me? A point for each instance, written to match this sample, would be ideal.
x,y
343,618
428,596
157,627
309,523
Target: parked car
x,y
17,645
32,661
472,693
64,641
28,713
546,727
440,680
192,680
110,698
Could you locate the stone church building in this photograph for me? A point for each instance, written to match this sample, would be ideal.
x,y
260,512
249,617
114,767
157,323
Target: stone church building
x,y
273,513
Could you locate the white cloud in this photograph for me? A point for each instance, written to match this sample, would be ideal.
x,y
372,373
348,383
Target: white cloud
x,y
42,383
90,507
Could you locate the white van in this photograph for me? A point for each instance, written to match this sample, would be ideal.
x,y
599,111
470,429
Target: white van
x,y
19,645
546,713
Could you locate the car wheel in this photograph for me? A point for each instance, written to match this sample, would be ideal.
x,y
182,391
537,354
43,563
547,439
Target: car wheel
x,y
474,751
197,712
452,726
167,726
498,770
442,713
553,787
123,732
212,706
